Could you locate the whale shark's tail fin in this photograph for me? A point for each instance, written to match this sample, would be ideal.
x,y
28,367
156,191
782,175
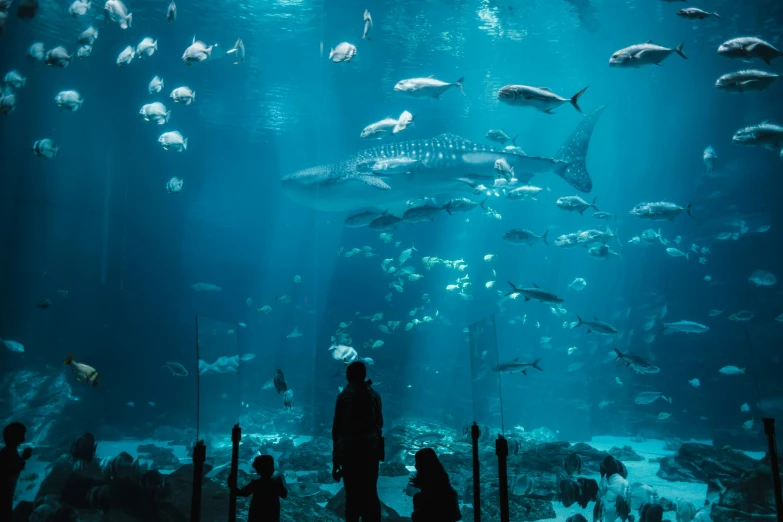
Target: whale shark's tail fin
x,y
574,152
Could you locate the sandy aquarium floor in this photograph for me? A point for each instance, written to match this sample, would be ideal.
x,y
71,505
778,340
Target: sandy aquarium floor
x,y
392,489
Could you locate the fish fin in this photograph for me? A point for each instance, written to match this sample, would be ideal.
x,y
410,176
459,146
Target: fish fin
x,y
373,181
458,83
548,111
535,285
574,153
536,366
527,299
648,41
545,89
524,372
516,359
575,99
678,50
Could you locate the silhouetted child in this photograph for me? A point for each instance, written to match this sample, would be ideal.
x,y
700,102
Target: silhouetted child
x,y
267,491
11,465
437,501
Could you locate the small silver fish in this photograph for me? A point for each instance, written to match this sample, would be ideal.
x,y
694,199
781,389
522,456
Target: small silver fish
x,y
238,51
367,25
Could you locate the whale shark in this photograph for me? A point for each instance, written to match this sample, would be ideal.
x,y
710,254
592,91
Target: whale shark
x,y
387,176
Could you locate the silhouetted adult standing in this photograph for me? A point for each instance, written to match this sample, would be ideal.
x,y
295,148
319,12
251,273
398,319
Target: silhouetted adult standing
x,y
358,445
437,501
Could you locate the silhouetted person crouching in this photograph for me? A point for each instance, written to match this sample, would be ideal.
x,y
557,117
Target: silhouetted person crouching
x,y
437,501
358,445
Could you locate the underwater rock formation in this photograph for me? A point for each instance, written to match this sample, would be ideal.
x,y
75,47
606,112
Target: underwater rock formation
x,y
41,401
310,456
520,508
625,453
548,457
161,458
699,463
393,469
747,498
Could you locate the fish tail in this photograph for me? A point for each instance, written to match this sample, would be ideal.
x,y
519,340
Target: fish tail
x,y
129,19
482,204
593,204
575,99
185,144
619,354
69,360
536,366
678,50
543,238
574,153
688,209
716,15
579,321
458,83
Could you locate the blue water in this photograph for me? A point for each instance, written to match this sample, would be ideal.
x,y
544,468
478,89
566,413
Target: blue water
x,y
97,221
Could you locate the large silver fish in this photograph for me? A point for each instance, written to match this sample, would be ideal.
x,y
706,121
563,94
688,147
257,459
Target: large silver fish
x,y
441,165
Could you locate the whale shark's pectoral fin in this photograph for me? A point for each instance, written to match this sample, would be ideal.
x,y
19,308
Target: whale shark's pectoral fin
x,y
373,181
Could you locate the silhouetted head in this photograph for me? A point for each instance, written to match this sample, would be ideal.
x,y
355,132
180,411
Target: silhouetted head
x,y
429,470
264,465
13,434
356,372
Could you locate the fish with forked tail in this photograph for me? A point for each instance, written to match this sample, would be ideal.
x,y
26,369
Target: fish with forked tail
x,y
517,366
